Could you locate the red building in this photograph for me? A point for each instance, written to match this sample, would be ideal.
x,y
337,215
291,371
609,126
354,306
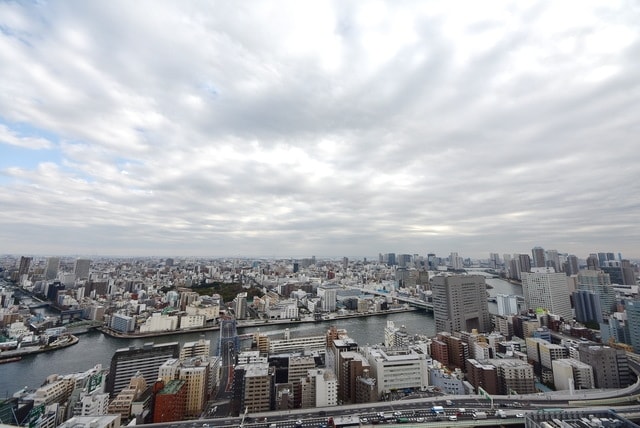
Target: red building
x,y
171,402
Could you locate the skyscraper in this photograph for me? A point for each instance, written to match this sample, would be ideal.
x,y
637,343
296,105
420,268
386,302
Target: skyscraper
x,y
545,289
81,268
51,269
632,308
126,362
460,303
25,263
507,304
525,263
538,257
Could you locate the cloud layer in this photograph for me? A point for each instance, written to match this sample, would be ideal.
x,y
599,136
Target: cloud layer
x,y
296,128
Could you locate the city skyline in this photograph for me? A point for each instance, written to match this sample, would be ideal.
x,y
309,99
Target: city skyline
x,y
333,129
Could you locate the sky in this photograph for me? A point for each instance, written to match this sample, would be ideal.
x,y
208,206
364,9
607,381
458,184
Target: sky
x,y
344,128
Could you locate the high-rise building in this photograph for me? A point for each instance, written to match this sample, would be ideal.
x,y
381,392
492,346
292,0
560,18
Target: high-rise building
x,y
127,362
599,283
572,265
460,303
524,263
611,366
256,388
553,260
240,307
51,268
546,289
538,257
25,263
507,304
587,305
81,268
632,308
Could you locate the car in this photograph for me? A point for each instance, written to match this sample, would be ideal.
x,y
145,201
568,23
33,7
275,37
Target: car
x,y
520,415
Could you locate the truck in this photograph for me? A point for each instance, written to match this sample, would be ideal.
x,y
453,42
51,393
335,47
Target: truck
x,y
479,415
501,414
438,410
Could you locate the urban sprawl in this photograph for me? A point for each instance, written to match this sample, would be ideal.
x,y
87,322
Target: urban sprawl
x,y
574,327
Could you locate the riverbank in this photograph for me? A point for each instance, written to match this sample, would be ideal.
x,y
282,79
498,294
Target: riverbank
x,y
17,354
242,324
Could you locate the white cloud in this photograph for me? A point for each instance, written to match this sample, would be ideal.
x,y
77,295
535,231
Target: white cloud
x,y
344,128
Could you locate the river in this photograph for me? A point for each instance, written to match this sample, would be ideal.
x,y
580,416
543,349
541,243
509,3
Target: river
x,y
96,348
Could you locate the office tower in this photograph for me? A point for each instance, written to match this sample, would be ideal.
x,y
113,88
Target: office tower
x,y
545,289
404,260
81,268
524,262
553,260
51,268
494,260
592,262
127,362
610,365
431,261
390,259
599,282
455,261
507,304
168,262
632,308
25,263
602,258
628,273
587,306
572,265
460,303
538,257
240,307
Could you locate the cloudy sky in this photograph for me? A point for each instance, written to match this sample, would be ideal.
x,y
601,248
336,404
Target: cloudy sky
x,y
346,128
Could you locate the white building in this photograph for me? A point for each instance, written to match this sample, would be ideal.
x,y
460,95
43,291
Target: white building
x,y
543,288
397,368
570,374
159,322
507,304
319,389
192,321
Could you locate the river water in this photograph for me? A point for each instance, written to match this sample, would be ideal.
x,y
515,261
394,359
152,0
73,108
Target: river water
x,y
96,348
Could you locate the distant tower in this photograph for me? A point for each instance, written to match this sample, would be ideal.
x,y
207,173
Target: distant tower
x,y
25,263
81,268
51,269
525,263
460,303
538,257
